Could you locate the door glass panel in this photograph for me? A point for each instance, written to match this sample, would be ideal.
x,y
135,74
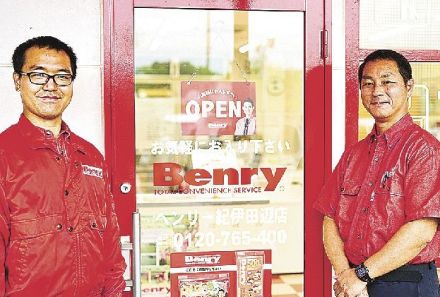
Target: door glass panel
x,y
402,24
424,104
259,204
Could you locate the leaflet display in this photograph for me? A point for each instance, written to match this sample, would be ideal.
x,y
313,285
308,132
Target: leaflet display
x,y
221,273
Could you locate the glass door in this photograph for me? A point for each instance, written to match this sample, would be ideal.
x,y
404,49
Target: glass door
x,y
216,138
198,75
418,40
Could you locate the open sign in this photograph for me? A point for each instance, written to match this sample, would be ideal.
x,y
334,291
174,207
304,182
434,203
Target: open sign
x,y
216,107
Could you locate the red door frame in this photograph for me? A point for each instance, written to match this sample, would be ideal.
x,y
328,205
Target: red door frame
x,y
119,111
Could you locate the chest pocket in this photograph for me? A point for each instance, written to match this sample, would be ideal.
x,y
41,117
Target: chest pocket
x,y
350,189
92,191
348,200
390,184
98,223
349,192
26,229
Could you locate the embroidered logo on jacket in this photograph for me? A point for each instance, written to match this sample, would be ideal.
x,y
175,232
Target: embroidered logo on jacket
x,y
92,171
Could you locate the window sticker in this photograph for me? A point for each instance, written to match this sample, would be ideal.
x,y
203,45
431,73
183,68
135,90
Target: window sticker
x,y
218,108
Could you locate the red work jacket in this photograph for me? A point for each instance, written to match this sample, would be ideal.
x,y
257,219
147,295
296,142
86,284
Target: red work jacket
x,y
381,183
58,231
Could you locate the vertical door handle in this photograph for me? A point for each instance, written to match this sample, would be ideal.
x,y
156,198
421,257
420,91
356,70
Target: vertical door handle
x,y
136,255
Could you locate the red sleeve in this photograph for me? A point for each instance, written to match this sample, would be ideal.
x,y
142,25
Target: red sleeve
x,y
328,198
4,230
114,282
422,185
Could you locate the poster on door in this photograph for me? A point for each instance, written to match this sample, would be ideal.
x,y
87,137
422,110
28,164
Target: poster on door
x,y
218,108
245,273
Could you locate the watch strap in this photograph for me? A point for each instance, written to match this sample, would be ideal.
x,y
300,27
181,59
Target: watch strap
x,y
362,273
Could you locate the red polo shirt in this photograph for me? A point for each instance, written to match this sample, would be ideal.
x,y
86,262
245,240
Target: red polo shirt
x,y
381,183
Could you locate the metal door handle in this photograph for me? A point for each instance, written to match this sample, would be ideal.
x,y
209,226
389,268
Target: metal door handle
x,y
132,256
136,255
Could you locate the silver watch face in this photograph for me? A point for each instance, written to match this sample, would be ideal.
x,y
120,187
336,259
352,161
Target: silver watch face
x,y
361,271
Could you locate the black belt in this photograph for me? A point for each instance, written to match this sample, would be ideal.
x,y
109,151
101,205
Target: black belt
x,y
406,273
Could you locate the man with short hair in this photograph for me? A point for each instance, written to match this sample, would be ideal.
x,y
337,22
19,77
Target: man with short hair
x,y
247,124
381,205
59,234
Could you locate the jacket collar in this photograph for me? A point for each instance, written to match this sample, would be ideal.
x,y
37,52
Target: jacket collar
x,y
38,137
394,133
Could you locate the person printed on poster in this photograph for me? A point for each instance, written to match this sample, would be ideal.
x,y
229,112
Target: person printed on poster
x,y
247,124
222,293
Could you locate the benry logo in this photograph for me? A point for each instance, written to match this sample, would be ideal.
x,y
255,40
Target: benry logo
x,y
92,171
168,175
206,259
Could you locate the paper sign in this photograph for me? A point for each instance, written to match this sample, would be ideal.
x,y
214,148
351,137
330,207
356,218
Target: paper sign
x,y
218,108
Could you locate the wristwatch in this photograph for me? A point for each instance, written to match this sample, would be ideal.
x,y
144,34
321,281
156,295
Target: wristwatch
x,y
362,273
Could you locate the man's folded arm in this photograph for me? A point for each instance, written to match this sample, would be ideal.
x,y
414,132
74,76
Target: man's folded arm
x,y
405,244
334,246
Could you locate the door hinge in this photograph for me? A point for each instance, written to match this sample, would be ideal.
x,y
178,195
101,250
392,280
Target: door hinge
x,y
324,44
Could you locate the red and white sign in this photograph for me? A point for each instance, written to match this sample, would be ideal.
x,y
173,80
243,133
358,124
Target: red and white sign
x,y
168,175
221,273
218,108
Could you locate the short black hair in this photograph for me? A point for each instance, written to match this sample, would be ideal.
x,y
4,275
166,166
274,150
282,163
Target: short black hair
x,y
49,42
402,63
250,101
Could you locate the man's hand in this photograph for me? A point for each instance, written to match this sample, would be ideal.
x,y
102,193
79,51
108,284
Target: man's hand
x,y
364,293
349,285
337,288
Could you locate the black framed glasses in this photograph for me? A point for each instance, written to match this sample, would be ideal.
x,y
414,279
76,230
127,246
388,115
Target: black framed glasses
x,y
41,78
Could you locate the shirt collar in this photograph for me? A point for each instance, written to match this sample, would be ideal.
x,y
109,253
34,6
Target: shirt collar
x,y
29,129
40,138
393,134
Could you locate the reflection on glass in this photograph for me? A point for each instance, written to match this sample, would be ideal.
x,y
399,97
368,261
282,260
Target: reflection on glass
x,y
424,104
402,24
266,48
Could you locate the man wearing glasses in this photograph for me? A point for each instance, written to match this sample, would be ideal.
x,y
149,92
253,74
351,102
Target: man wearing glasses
x,y
58,231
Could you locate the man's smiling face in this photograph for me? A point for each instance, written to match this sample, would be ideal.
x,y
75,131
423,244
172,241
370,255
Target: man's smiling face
x,y
384,92
48,101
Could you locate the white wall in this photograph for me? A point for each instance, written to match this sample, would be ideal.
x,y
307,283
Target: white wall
x,y
79,24
338,79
